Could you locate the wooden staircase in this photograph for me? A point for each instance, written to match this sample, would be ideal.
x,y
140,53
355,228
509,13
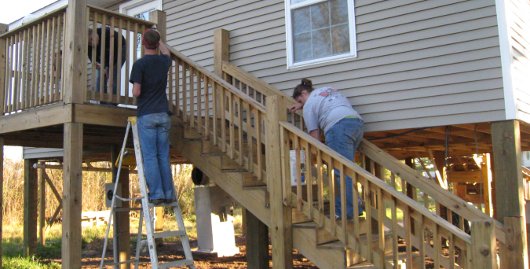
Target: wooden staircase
x,y
237,131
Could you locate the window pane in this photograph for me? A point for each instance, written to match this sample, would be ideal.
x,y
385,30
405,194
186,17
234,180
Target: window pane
x,y
302,47
297,1
301,20
339,12
321,43
341,39
320,15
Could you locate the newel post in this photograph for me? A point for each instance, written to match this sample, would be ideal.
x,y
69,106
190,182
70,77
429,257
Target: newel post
x,y
3,29
280,228
483,245
75,52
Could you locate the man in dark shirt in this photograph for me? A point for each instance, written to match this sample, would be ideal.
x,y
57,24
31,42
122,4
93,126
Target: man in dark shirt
x,y
149,78
94,43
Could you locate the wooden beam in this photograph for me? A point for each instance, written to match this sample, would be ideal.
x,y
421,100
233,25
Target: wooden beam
x,y
101,115
281,218
36,118
483,245
30,207
509,186
75,51
257,242
42,202
72,195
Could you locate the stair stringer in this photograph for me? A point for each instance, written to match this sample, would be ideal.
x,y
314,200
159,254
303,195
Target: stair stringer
x,y
253,199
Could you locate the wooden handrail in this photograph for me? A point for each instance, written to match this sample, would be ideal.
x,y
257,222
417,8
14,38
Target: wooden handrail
x,y
34,22
216,79
121,15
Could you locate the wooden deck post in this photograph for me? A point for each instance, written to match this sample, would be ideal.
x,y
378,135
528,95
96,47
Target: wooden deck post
x,y
72,195
42,198
257,237
509,188
221,49
3,29
1,193
483,245
75,52
281,219
30,207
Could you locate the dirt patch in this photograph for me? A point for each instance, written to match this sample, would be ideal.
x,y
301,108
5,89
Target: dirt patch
x,y
172,251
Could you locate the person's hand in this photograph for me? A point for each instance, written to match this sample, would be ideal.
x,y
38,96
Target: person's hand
x,y
98,66
295,107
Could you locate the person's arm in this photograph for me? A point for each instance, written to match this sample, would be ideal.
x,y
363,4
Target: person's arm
x,y
315,134
137,89
295,107
163,48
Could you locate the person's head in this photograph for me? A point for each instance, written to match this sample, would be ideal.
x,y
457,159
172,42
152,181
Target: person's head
x,y
301,91
151,39
93,38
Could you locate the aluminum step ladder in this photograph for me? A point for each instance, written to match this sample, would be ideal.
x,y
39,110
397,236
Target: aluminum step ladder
x,y
147,214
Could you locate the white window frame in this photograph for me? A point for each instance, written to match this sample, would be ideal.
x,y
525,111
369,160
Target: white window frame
x,y
289,35
130,6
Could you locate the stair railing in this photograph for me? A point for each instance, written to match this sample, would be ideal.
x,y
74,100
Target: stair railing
x,y
446,206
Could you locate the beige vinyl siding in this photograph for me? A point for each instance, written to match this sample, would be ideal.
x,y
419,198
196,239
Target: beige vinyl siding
x,y
520,48
419,63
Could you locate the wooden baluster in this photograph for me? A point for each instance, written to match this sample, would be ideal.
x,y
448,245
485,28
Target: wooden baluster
x,y
34,66
369,219
250,139
16,82
118,78
207,100
25,67
128,93
177,88
309,178
199,102
298,152
320,185
93,61
437,246
408,235
102,53
223,118
170,88
381,214
239,110
231,130
332,179
259,149
395,250
343,202
452,250
193,92
52,62
184,92
47,59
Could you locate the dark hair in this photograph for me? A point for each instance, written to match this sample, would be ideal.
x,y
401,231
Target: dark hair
x,y
150,39
305,85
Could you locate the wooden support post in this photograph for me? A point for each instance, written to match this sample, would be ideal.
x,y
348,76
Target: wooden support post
x,y
510,253
75,52
159,18
483,245
30,207
281,218
72,195
221,52
506,141
3,29
1,193
486,182
257,236
122,235
42,200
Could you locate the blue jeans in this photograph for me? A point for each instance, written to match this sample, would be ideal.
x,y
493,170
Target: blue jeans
x,y
153,130
344,137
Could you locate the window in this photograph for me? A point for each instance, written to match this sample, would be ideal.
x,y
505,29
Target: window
x,y
319,31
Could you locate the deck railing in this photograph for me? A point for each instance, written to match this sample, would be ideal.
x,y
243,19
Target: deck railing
x,y
33,60
32,67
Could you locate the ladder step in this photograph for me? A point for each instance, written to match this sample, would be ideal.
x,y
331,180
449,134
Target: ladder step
x,y
167,234
175,264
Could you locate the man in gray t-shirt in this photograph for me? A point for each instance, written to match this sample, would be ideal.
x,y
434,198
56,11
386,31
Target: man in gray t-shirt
x,y
327,110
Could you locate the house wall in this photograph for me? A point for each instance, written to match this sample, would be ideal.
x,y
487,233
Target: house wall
x,y
419,64
519,37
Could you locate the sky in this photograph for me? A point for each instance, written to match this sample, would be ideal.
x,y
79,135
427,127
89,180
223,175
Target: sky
x,y
12,10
